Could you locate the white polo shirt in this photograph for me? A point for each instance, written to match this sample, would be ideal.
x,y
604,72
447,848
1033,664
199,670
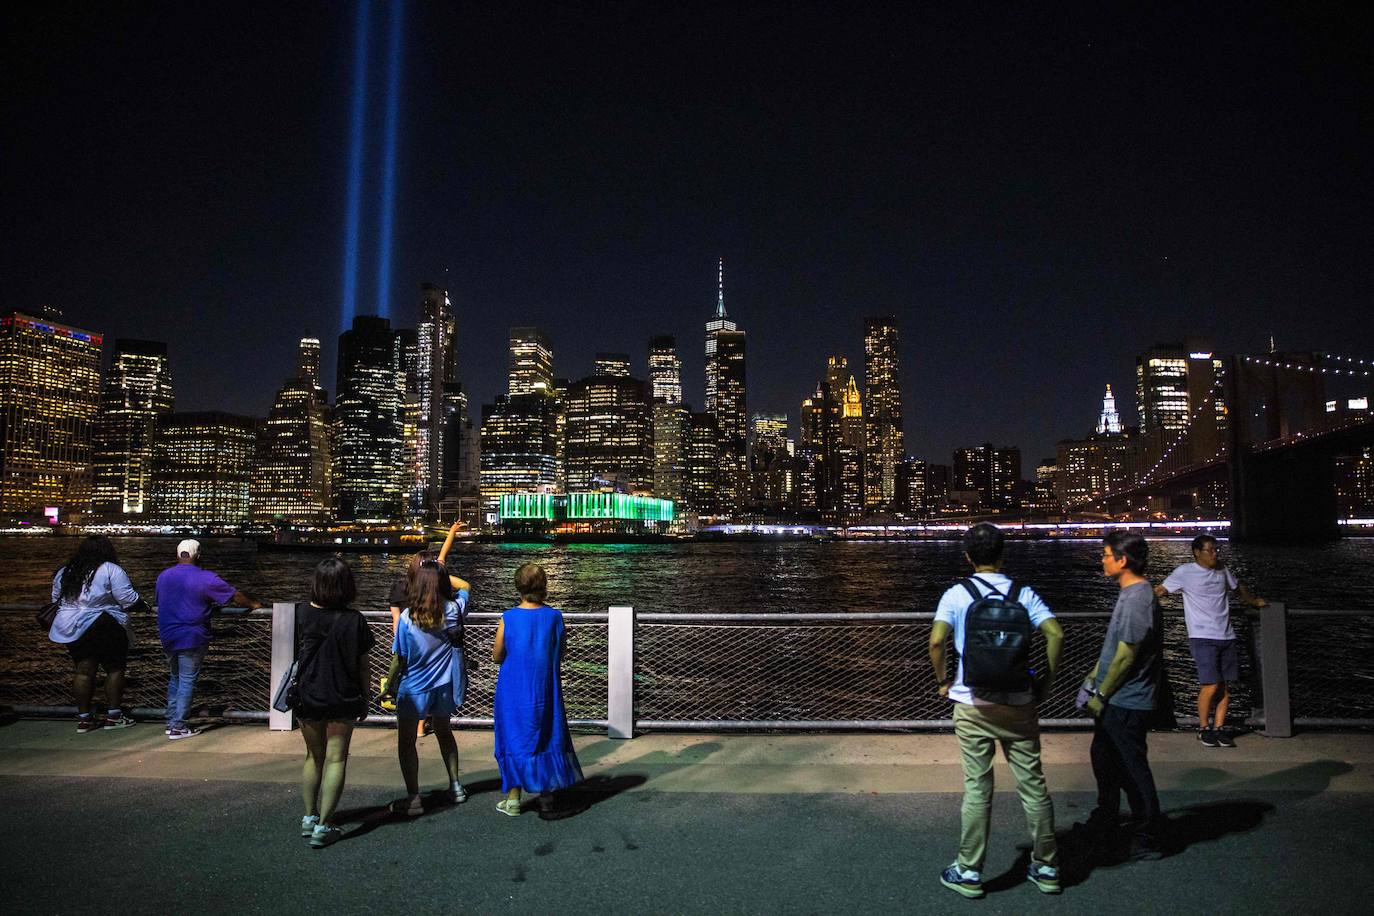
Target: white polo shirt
x,y
1206,599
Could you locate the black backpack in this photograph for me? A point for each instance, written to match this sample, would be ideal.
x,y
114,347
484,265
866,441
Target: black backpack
x,y
997,639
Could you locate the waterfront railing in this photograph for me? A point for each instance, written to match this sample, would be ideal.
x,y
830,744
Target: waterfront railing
x,y
626,671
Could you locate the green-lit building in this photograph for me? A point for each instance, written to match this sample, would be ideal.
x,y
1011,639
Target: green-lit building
x,y
584,513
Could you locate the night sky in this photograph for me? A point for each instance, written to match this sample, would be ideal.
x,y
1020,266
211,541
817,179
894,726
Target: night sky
x,y
1037,192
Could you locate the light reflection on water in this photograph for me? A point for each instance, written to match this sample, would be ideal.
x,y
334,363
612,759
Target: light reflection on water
x,y
745,577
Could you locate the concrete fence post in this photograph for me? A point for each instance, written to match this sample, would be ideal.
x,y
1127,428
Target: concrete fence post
x,y
1278,714
620,673
283,654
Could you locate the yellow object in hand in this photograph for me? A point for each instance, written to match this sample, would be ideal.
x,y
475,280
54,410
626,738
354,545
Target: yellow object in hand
x,y
387,703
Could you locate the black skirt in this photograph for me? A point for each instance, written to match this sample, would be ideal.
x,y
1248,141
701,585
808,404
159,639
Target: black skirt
x,y
104,640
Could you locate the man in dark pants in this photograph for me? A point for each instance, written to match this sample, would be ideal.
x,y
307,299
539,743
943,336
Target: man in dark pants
x,y
1121,697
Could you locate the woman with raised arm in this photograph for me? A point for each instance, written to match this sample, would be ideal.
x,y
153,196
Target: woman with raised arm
x,y
534,749
334,688
429,678
92,622
405,584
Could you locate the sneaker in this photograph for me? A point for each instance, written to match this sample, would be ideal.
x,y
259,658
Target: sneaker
x,y
176,734
967,883
122,722
87,725
1045,877
325,835
456,794
1208,737
1224,738
308,824
509,807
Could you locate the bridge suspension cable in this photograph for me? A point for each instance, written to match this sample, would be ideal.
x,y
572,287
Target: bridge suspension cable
x,y
1299,367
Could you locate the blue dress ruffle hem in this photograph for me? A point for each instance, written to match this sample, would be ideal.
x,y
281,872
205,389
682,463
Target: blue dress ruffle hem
x,y
533,746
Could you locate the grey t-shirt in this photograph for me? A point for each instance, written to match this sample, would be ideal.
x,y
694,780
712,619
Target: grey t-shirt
x,y
1136,620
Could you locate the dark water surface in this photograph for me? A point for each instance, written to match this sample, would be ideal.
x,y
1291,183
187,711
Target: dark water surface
x,y
744,577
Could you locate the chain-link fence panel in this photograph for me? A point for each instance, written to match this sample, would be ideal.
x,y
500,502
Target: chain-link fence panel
x,y
236,676
584,665
1331,665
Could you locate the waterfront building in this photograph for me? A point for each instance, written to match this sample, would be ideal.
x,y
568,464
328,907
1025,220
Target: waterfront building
x,y
1041,497
994,473
617,364
585,513
559,394
937,485
518,448
886,438
462,458
1355,484
665,370
725,401
770,453
49,397
412,469
701,493
608,435
202,469
530,362
136,391
1110,421
672,426
808,479
291,472
368,444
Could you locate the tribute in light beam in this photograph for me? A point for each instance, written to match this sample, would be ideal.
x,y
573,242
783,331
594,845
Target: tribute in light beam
x,y
393,91
353,218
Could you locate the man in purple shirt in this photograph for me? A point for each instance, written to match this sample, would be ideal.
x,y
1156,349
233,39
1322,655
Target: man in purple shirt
x,y
186,597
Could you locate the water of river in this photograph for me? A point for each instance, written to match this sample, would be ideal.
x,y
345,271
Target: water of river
x,y
744,577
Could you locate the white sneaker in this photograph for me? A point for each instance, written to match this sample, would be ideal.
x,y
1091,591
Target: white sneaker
x,y
176,734
308,824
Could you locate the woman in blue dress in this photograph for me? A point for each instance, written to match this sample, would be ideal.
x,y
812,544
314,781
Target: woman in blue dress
x,y
430,679
534,750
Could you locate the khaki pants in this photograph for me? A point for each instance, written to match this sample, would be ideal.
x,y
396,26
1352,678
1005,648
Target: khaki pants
x,y
1017,728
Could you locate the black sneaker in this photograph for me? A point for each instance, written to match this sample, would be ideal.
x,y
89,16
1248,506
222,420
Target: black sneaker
x,y
1223,738
1208,737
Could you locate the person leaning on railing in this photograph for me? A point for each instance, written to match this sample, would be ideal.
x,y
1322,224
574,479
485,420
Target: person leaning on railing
x,y
93,623
404,587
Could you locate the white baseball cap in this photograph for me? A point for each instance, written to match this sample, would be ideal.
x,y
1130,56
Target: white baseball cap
x,y
189,547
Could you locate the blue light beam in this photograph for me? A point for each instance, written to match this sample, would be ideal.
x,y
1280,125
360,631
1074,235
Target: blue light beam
x,y
353,218
393,92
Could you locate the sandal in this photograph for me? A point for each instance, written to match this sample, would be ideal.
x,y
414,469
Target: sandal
x,y
509,807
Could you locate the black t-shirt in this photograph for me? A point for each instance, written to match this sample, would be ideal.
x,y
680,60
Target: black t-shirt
x,y
398,594
332,640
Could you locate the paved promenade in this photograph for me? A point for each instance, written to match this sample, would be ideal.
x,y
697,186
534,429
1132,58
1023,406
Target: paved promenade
x,y
129,822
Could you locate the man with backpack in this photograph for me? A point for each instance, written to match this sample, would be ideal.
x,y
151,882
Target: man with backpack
x,y
993,621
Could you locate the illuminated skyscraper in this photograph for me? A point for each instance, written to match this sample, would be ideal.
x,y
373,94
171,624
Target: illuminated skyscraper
x,y
367,447
701,490
611,364
672,428
202,468
1110,421
665,370
1179,388
291,473
531,362
308,365
725,400
609,436
49,396
886,439
992,472
519,448
462,457
436,364
137,389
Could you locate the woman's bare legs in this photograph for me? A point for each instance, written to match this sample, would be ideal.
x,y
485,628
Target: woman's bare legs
x,y
312,772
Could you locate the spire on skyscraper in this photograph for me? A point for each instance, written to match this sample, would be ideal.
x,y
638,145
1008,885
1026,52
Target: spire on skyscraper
x,y
1110,421
720,294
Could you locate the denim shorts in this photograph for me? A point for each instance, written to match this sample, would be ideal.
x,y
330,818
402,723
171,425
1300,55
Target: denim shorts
x,y
1217,660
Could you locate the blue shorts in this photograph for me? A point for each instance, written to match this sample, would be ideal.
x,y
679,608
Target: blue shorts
x,y
1217,660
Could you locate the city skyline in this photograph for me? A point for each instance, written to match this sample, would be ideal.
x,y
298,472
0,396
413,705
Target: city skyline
x,y
1050,191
